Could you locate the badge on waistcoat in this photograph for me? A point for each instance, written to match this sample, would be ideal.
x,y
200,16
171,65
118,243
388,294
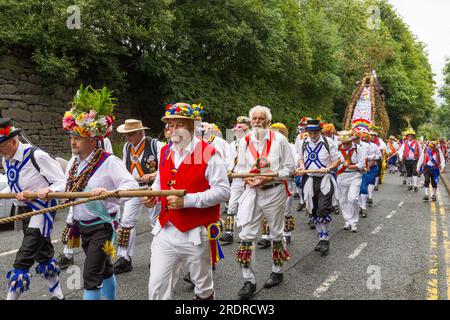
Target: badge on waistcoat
x,y
151,163
262,163
134,159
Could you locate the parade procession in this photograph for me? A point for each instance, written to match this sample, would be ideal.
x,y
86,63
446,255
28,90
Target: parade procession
x,y
238,150
200,193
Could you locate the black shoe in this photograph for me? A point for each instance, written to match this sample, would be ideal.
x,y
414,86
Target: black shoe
x,y
404,181
426,198
187,278
296,196
274,280
433,198
226,238
410,187
263,243
363,213
122,265
416,189
369,201
312,226
288,239
247,291
318,246
64,262
336,210
376,188
325,248
300,207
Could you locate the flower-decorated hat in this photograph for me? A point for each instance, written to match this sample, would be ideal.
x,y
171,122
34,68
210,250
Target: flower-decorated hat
x,y
7,130
410,131
328,128
91,114
183,110
281,127
345,136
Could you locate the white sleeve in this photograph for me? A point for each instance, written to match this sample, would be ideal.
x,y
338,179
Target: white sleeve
x,y
219,190
51,170
287,163
420,162
334,154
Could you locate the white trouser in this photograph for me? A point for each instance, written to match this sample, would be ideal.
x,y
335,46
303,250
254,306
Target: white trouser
x,y
288,210
270,204
349,188
237,187
171,251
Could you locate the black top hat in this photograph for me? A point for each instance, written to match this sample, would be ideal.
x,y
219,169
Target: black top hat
x,y
7,130
313,125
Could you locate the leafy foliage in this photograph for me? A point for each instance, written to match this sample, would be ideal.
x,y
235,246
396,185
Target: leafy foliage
x,y
299,57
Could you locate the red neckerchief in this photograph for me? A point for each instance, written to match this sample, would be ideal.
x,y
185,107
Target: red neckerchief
x,y
347,156
266,149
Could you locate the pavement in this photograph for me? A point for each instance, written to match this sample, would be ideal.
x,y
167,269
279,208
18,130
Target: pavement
x,y
401,251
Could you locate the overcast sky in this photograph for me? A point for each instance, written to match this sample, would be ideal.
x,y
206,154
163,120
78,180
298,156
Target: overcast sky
x,y
429,20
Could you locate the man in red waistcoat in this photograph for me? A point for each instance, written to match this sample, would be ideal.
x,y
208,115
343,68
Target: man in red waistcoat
x,y
184,232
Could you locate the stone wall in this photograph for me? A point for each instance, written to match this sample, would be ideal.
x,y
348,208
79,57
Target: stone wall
x,y
37,105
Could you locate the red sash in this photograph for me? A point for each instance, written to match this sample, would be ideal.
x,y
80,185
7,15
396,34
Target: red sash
x,y
255,154
347,157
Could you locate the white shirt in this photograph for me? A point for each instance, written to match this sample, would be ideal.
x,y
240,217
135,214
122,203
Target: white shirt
x,y
410,154
135,172
280,155
215,173
30,179
374,152
108,145
357,157
324,157
223,147
430,163
388,147
111,175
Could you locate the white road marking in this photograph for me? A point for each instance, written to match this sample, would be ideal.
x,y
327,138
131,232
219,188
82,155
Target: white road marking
x,y
326,284
389,216
14,251
401,203
377,229
358,250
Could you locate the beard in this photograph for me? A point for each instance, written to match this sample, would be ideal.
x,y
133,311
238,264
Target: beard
x,y
181,137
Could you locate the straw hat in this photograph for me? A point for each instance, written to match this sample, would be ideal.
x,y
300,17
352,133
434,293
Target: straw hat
x,y
183,110
131,125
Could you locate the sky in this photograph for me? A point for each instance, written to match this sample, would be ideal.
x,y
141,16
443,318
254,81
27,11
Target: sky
x,y
429,20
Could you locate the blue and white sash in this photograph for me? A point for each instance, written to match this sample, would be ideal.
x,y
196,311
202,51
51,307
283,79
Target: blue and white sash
x,y
44,221
313,156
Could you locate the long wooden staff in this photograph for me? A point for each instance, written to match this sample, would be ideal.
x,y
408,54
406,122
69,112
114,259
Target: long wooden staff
x,y
104,195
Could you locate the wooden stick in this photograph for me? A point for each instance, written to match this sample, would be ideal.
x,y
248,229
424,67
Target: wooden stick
x,y
120,194
251,175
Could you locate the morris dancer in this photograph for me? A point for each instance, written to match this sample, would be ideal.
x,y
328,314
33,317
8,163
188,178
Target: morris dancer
x,y
93,169
321,154
262,151
31,169
392,153
410,152
186,231
349,179
140,156
431,164
241,129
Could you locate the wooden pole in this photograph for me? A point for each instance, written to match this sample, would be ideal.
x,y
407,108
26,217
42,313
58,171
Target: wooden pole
x,y
119,194
252,175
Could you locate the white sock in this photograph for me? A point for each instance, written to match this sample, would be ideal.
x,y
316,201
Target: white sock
x,y
319,229
409,181
13,295
370,190
363,201
426,191
377,179
57,292
434,191
415,180
325,230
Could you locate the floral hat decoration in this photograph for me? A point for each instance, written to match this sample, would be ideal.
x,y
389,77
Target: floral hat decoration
x,y
91,114
183,110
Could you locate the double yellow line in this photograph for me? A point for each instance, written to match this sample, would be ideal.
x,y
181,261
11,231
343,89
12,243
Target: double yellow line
x,y
433,288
